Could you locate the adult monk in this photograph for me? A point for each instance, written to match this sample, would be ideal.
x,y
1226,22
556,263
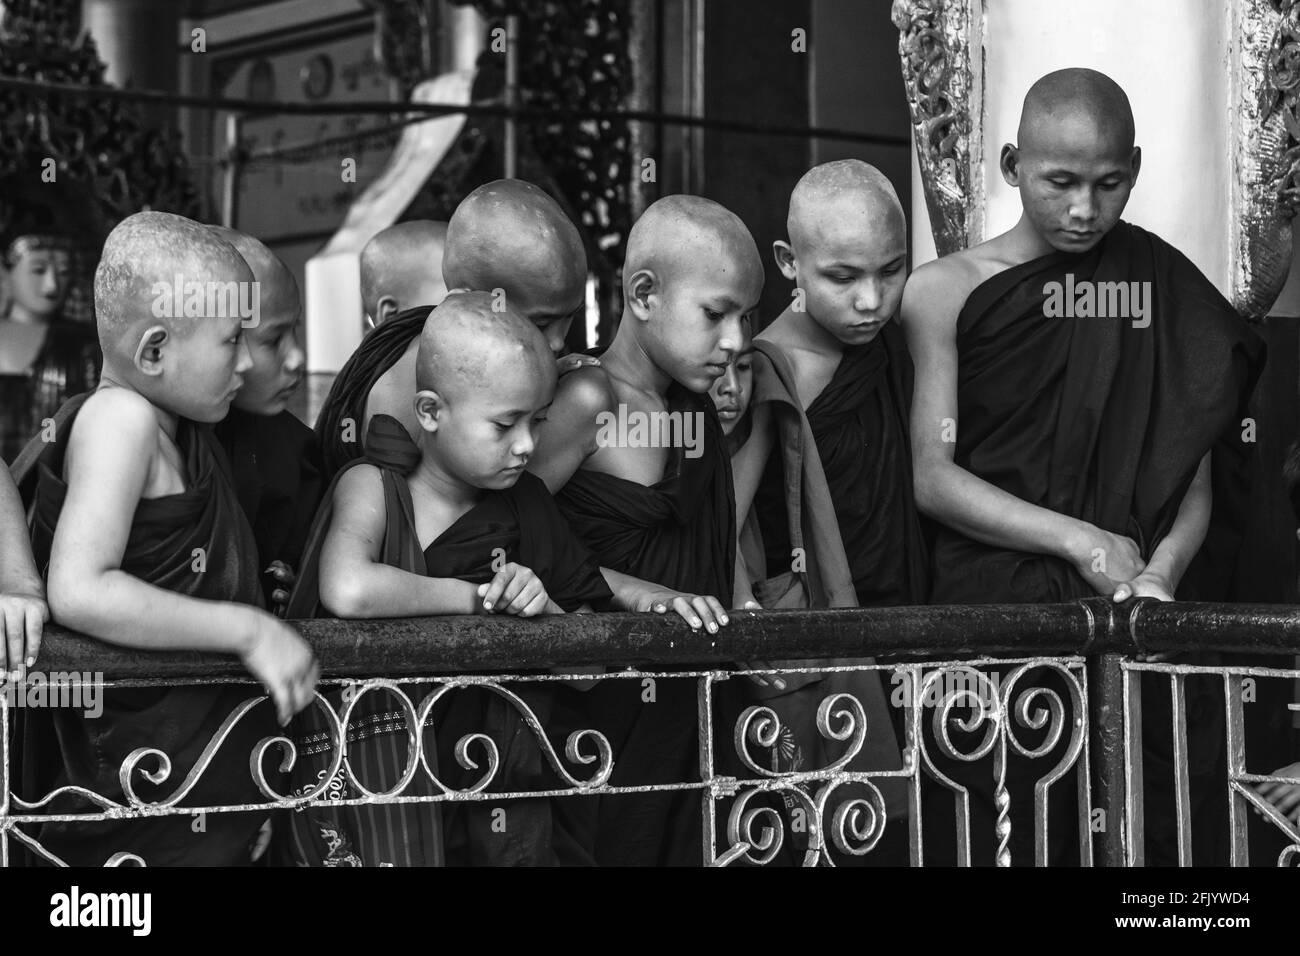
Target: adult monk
x,y
1064,449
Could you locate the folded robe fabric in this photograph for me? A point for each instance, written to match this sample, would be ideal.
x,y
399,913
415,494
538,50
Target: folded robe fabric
x,y
62,747
679,533
519,524
859,423
823,580
341,426
277,473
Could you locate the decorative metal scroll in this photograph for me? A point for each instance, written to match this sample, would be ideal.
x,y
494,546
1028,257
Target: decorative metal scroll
x,y
940,44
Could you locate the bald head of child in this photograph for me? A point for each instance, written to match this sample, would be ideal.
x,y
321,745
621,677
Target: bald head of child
x,y
1074,163
847,252
278,360
485,378
508,235
691,279
401,268
171,298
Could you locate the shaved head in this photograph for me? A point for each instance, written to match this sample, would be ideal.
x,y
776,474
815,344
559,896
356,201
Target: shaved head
x,y
405,262
149,248
279,289
844,189
678,235
1077,95
510,234
468,345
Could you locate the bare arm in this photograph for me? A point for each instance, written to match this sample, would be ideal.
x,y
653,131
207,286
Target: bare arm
x,y
1175,551
23,611
353,581
952,495
108,460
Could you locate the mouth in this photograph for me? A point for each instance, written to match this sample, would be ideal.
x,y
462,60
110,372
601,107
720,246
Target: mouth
x,y
715,369
728,412
1078,236
288,390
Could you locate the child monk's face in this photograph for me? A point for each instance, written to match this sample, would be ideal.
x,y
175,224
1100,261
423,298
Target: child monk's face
x,y
699,315
487,426
850,263
732,392
549,305
203,368
1074,177
277,361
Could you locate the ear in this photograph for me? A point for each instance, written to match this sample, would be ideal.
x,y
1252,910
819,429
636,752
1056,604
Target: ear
x,y
428,404
1135,164
783,252
148,353
1009,162
640,288
385,309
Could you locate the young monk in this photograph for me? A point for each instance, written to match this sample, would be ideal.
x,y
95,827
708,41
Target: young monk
x,y
23,611
455,526
401,268
1068,457
273,456
832,382
507,235
662,514
138,528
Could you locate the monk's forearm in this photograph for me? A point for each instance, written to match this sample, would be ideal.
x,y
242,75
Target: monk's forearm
x,y
1175,551
377,590
18,574
743,592
953,496
121,609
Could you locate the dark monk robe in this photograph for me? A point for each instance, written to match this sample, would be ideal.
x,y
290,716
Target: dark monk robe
x,y
277,471
1093,418
859,422
66,749
820,580
340,426
678,533
519,524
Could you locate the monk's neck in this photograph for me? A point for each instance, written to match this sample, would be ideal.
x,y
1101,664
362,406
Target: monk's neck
x,y
443,486
797,327
1022,243
627,359
168,421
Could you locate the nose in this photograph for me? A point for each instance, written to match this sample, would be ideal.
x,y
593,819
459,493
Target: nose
x,y
245,360
297,358
729,384
49,283
523,445
731,334
555,334
868,298
1083,205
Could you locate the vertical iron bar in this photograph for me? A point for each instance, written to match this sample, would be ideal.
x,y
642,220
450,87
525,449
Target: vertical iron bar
x,y
1134,806
510,161
1233,687
707,804
1182,785
1083,776
4,777
912,762
230,190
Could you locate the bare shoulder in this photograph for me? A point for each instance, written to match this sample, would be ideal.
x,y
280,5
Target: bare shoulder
x,y
584,392
936,291
120,410
361,482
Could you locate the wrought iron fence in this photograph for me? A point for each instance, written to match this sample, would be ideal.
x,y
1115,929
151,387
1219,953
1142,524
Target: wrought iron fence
x,y
991,734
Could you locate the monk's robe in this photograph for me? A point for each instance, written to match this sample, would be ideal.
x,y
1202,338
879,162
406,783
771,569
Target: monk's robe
x,y
519,524
1093,418
277,471
859,422
340,426
820,579
64,748
678,533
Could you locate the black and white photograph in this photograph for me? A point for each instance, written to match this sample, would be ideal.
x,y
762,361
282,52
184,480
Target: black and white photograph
x,y
631,434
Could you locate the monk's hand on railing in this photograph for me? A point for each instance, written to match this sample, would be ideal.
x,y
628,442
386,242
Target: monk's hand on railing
x,y
1284,796
284,663
697,610
284,581
516,590
22,619
1147,584
1105,560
